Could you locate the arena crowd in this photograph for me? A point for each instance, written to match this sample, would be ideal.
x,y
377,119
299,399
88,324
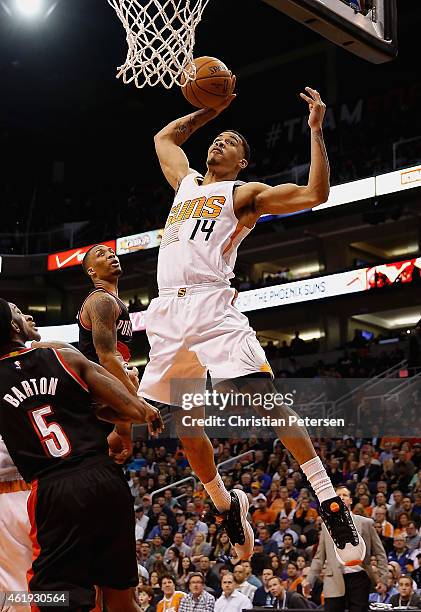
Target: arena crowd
x,y
185,559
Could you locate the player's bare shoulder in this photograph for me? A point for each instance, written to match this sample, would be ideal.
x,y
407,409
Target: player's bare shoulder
x,y
245,202
100,305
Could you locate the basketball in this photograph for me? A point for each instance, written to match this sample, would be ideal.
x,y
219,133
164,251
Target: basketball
x,y
213,83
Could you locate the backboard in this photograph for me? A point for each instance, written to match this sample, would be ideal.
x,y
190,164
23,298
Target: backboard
x,y
367,28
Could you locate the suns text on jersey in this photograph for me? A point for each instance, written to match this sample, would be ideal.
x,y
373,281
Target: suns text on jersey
x,y
199,208
31,388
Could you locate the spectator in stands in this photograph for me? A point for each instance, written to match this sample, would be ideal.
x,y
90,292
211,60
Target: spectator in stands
x,y
402,524
416,574
284,528
231,600
400,552
334,472
380,515
293,492
283,503
223,548
368,472
179,544
200,548
407,505
173,561
212,536
293,577
416,455
145,596
262,596
416,509
259,559
187,568
190,532
365,503
157,548
406,597
304,515
241,583
154,582
386,542
298,345
144,555
288,552
171,598
263,513
282,599
384,591
199,526
396,506
269,545
380,501
167,537
275,564
250,577
211,579
141,523
198,600
413,537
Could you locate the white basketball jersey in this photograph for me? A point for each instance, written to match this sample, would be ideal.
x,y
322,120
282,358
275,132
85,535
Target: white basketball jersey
x,y
8,470
201,237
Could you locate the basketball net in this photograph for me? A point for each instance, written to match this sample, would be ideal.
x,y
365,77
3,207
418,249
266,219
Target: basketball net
x,y
160,38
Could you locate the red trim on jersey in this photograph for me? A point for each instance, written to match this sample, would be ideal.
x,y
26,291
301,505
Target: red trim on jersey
x,y
233,236
17,352
123,349
70,371
33,534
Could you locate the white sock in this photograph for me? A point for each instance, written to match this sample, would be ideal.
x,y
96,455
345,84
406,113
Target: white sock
x,y
218,493
319,480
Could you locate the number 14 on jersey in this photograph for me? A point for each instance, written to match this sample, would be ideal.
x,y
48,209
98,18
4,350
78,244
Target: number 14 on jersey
x,y
207,228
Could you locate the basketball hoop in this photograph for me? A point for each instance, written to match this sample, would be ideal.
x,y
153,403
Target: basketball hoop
x,y
160,38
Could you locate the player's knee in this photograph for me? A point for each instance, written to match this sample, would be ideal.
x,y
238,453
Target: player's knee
x,y
192,444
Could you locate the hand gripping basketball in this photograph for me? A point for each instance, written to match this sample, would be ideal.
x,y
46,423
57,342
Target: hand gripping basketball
x,y
212,86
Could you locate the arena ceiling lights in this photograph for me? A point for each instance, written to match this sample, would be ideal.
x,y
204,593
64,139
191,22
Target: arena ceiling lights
x,y
29,10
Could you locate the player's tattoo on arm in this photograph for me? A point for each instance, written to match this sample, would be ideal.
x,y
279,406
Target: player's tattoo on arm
x,y
318,137
185,126
184,129
103,317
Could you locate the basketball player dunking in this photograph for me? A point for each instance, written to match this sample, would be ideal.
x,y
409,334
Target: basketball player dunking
x,y
105,331
80,506
193,326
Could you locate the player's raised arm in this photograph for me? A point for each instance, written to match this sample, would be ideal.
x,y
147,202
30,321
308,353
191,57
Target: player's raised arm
x,y
121,406
168,142
289,198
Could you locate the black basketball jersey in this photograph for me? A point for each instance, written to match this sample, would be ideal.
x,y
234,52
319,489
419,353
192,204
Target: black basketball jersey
x,y
124,331
46,416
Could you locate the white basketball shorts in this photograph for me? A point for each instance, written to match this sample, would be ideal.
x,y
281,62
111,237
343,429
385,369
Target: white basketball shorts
x,y
192,330
15,544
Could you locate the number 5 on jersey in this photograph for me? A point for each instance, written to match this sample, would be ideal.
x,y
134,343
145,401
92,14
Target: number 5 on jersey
x,y
52,436
206,229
